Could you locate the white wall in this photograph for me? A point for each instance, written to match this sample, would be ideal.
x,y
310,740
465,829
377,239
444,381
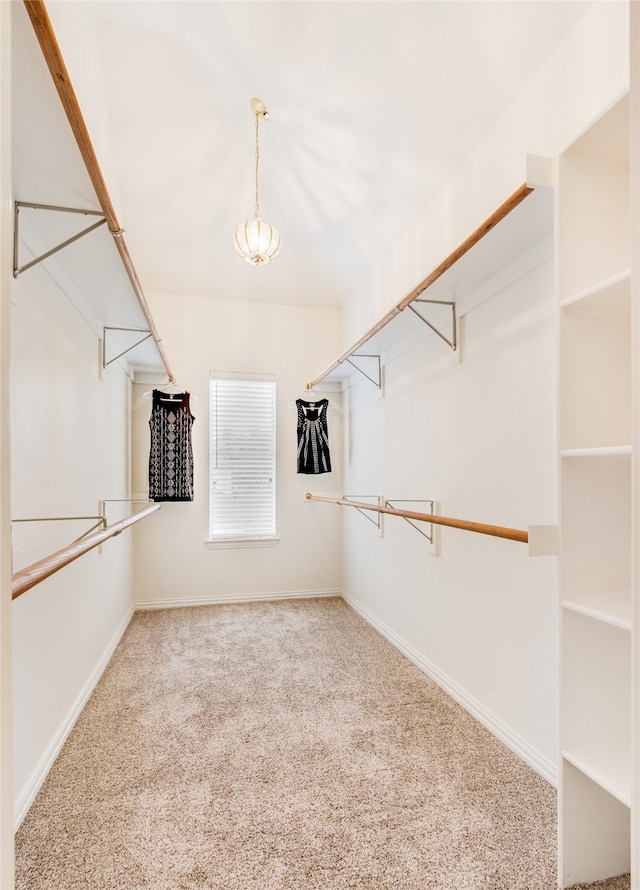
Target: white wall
x,y
6,232
173,566
586,75
70,448
479,436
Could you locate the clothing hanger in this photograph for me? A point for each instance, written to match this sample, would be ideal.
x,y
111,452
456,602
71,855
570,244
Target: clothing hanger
x,y
311,395
170,388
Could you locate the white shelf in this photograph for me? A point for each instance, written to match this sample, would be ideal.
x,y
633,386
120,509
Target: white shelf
x,y
609,296
611,607
89,272
607,762
597,451
527,223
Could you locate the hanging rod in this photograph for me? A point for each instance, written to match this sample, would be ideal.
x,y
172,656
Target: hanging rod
x,y
512,534
491,222
28,577
45,35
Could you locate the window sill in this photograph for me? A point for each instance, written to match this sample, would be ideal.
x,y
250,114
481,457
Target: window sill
x,y
239,543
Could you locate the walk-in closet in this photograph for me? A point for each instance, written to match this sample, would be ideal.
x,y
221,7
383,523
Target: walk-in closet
x,y
319,553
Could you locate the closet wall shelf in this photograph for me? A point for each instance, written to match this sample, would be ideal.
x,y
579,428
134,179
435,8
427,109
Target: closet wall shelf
x,y
607,762
597,451
28,577
495,250
42,27
610,295
17,205
611,607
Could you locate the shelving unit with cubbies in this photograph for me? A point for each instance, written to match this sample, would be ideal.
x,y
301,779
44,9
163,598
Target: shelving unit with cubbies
x,y
595,459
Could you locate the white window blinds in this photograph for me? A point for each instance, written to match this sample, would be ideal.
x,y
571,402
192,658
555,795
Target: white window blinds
x,y
242,501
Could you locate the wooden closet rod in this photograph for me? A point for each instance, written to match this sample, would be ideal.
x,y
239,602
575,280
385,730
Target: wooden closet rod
x,y
27,578
476,236
53,56
513,534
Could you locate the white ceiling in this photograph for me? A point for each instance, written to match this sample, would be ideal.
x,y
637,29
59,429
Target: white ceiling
x,y
373,105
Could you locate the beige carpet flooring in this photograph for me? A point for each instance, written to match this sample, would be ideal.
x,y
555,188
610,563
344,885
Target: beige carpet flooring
x,y
281,746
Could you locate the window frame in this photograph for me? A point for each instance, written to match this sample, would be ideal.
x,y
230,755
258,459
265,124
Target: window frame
x,y
244,537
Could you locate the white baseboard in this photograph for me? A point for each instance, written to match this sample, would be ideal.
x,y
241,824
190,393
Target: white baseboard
x,y
514,742
28,793
213,600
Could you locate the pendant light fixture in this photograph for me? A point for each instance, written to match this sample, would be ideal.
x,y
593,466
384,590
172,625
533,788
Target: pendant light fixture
x,y
256,241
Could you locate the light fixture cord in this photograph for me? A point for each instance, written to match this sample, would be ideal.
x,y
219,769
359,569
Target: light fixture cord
x,y
257,161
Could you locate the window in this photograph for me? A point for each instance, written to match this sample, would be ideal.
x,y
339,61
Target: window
x,y
242,500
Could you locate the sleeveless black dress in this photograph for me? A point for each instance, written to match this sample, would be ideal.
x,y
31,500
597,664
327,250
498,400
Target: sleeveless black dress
x,y
171,454
313,437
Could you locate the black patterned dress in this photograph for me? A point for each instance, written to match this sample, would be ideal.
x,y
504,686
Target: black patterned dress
x,y
171,454
313,437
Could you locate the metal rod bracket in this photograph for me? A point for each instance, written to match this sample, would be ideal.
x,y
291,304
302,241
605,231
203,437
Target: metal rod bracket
x,y
378,499
483,528
453,342
430,535
17,268
377,380
106,361
99,522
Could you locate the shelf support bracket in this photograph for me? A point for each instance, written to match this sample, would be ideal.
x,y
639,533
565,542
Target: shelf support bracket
x,y
17,268
102,504
377,498
106,361
377,380
99,522
430,509
453,342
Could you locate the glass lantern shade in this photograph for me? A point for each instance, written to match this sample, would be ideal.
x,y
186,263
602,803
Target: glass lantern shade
x,y
257,242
